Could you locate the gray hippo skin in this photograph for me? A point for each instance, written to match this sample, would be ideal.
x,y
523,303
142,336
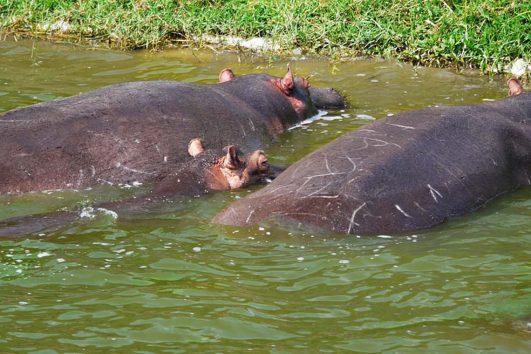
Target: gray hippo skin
x,y
402,173
327,98
139,131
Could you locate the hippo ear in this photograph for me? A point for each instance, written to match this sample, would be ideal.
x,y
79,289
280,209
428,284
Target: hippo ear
x,y
195,147
232,161
287,83
226,75
515,88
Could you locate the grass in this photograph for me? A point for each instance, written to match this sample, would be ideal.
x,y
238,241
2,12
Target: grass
x,y
462,33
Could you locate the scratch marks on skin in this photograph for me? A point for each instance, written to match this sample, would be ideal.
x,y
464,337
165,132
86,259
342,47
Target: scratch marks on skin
x,y
313,194
327,166
351,160
434,193
375,143
367,130
402,211
329,172
233,212
249,216
251,124
273,191
488,200
105,181
444,167
92,170
79,178
353,216
119,165
164,157
420,207
401,126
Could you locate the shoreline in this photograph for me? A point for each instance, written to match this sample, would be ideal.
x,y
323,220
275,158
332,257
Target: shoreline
x,y
519,68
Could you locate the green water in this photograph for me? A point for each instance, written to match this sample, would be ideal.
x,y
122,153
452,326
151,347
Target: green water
x,y
167,281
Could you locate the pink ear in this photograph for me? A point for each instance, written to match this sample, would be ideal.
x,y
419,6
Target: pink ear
x,y
231,160
232,152
287,83
195,147
226,75
515,88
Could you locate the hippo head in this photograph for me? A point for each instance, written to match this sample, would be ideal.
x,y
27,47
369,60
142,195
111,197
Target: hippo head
x,y
234,170
208,171
304,99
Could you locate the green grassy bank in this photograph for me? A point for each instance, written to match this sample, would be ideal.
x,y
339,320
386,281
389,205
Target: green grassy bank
x,y
478,33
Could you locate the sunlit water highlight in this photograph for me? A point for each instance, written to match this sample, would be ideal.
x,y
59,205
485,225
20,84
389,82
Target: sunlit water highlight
x,y
166,280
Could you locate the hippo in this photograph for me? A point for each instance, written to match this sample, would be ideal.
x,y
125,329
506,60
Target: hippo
x,y
203,172
139,131
402,173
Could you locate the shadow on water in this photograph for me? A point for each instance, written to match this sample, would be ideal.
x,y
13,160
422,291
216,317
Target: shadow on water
x,y
166,280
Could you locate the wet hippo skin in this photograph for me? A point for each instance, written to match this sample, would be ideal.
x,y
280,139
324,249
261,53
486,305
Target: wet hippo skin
x,y
327,98
139,131
402,173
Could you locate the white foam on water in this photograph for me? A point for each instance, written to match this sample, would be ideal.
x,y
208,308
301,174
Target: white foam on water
x,y
318,116
323,116
90,213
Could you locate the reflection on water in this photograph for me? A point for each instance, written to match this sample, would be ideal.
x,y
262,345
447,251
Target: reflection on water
x,y
165,280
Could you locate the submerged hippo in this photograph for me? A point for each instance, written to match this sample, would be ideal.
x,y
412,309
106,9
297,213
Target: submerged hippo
x,y
139,131
210,172
204,171
402,173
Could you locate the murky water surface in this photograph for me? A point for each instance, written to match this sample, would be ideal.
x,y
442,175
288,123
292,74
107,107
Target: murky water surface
x,y
167,281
